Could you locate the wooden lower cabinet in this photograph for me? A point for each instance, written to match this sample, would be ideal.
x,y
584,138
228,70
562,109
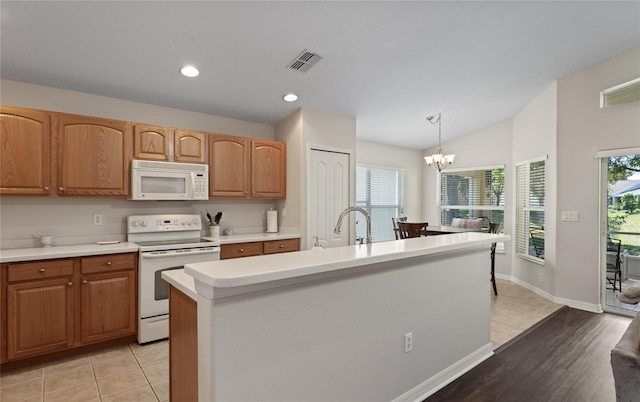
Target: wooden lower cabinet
x,y
239,250
39,317
107,311
53,305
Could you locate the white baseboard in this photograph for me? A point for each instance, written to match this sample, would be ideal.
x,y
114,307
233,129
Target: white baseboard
x,y
446,376
593,308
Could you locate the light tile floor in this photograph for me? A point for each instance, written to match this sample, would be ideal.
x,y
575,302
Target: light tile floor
x,y
141,373
125,373
514,310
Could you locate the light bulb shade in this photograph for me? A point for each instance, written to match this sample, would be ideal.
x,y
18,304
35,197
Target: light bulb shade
x,y
428,159
449,158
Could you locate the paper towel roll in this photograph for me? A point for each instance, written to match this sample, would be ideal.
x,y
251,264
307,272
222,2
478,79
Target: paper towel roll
x,y
272,221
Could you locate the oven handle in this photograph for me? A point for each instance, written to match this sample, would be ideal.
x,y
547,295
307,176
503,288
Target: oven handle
x,y
149,255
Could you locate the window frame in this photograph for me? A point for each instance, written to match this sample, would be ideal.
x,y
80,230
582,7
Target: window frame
x,y
522,234
469,207
368,207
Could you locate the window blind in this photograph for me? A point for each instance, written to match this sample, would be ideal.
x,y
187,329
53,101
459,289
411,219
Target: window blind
x,y
530,209
380,191
472,193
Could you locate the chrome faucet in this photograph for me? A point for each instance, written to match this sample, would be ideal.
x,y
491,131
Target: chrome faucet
x,y
354,209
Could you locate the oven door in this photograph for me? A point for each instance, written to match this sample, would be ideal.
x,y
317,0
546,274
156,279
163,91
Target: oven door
x,y
153,290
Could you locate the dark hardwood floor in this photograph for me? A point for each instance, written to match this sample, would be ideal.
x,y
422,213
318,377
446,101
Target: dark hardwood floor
x,y
566,358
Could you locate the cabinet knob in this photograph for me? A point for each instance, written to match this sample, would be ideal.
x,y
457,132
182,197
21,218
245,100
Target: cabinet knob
x,y
60,188
84,282
108,263
282,246
42,270
246,192
253,192
46,188
241,250
70,284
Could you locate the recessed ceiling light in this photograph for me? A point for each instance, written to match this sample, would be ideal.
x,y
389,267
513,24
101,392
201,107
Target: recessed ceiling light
x,y
189,71
290,97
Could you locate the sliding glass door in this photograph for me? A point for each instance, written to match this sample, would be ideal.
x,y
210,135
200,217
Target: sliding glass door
x,y
620,198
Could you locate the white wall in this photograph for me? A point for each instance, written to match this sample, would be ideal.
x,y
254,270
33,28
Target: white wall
x,y
302,129
289,131
565,123
70,219
410,160
59,100
486,147
534,135
583,129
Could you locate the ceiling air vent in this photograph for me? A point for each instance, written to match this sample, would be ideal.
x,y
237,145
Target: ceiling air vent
x,y
304,61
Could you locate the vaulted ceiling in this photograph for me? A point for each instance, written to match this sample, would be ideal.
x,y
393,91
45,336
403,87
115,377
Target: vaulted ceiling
x,y
387,64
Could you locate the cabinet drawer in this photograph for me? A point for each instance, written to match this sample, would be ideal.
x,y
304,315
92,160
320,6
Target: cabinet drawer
x,y
281,246
240,250
110,262
39,270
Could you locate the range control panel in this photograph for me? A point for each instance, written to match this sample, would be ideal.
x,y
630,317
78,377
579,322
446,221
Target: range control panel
x,y
163,223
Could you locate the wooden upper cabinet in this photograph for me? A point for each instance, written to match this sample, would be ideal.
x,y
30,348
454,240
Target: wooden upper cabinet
x,y
152,143
25,162
228,166
168,144
93,155
190,147
268,169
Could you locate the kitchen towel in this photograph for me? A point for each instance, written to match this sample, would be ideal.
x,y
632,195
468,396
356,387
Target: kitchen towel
x,y
272,221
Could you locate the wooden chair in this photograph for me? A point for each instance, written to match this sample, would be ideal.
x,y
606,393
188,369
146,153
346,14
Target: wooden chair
x,y
494,228
614,262
407,230
395,221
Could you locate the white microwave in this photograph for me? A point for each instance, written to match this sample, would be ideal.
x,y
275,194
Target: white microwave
x,y
169,181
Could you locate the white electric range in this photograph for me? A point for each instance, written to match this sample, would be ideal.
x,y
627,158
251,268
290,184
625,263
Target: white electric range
x,y
165,242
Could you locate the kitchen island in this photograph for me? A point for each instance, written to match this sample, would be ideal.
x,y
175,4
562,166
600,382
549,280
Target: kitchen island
x,y
389,321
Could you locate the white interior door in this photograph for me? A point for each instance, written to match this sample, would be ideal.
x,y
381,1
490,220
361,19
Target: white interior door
x,y
328,197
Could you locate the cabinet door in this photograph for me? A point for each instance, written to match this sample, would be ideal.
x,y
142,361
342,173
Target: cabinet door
x,y
152,143
228,166
108,306
93,155
39,317
190,147
268,169
25,166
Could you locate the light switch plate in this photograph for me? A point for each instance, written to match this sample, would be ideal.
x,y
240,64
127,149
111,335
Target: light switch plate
x,y
570,216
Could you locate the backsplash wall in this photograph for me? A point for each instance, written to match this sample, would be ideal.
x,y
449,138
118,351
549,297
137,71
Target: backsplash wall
x,y
70,220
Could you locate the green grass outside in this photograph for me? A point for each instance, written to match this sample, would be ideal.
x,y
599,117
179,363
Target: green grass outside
x,y
632,224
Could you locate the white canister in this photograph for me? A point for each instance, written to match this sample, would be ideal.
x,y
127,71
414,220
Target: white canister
x,y
214,231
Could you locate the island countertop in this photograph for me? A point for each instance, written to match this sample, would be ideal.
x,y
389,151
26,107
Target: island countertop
x,y
267,268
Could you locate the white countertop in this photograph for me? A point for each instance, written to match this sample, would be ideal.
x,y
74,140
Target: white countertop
x,y
182,281
45,253
267,268
253,237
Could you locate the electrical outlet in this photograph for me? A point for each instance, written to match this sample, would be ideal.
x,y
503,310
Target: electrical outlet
x,y
541,277
97,219
408,342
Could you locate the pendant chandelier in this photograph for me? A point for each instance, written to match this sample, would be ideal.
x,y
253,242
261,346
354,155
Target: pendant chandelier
x,y
438,160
